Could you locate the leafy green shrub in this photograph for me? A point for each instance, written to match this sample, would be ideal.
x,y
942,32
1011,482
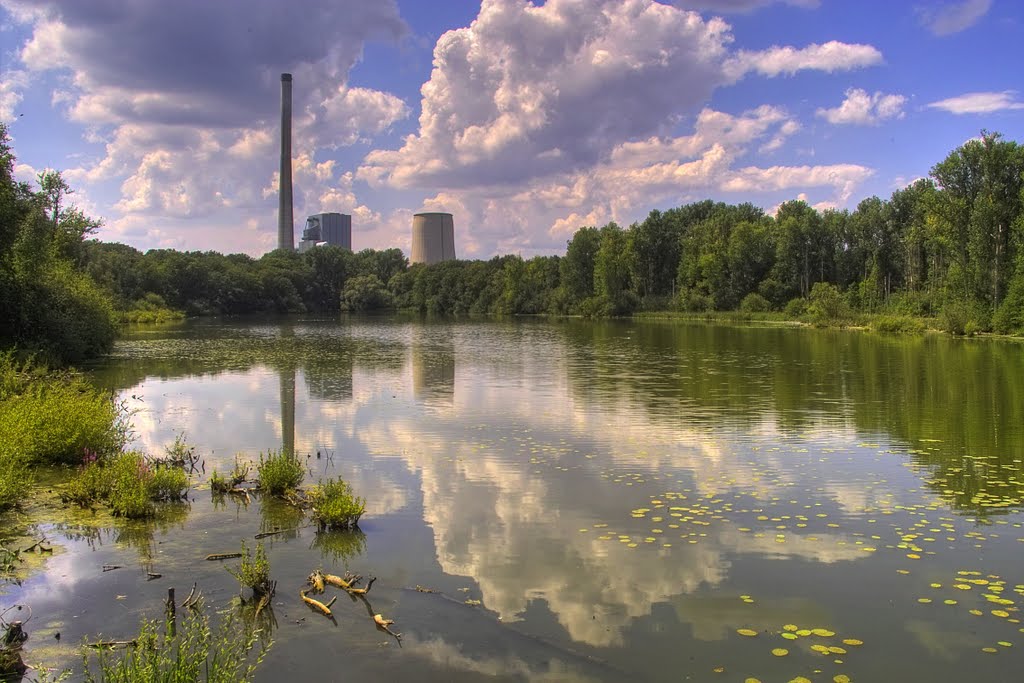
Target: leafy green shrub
x,y
692,301
279,472
827,305
796,308
953,317
254,571
898,324
15,479
365,293
755,303
189,653
334,506
56,419
167,483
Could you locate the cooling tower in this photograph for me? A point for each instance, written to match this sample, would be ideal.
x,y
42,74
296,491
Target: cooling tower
x,y
433,238
285,225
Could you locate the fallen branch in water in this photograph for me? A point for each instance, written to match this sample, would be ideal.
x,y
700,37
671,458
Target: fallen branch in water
x,y
194,596
112,567
264,534
319,606
111,644
223,556
383,624
316,580
153,575
362,591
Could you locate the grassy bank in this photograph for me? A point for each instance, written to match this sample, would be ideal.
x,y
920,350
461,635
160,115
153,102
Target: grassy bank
x,y
50,418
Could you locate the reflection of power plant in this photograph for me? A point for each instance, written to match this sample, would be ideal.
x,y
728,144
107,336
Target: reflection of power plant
x,y
433,238
327,229
433,372
288,410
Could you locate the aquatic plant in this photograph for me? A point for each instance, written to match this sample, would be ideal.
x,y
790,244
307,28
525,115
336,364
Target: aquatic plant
x,y
254,571
222,484
15,478
184,653
127,483
334,506
52,418
279,472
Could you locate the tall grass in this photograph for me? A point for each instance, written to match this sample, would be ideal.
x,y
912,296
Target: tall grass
x,y
127,483
254,571
189,653
279,472
334,505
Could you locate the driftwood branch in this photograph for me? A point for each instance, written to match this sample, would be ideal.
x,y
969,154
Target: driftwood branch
x,y
223,556
111,644
319,606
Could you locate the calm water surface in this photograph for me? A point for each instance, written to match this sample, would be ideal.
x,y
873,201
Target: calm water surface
x,y
625,500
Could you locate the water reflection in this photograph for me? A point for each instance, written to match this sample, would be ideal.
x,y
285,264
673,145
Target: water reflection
x,y
619,489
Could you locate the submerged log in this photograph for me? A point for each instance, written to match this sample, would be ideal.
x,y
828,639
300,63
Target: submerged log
x,y
223,556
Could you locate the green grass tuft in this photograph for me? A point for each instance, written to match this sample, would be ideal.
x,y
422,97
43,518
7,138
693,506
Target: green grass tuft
x,y
189,653
279,472
334,506
254,571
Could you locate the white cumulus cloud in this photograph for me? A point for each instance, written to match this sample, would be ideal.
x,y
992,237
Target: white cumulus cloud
x,y
830,57
944,19
980,103
864,109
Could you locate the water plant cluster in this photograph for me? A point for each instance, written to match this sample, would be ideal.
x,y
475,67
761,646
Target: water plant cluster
x,y
253,572
188,651
279,472
129,483
50,418
335,506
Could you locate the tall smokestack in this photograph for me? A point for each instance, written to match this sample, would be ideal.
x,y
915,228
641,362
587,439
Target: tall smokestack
x,y
285,221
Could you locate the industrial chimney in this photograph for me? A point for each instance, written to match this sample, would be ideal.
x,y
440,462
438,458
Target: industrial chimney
x,y
285,225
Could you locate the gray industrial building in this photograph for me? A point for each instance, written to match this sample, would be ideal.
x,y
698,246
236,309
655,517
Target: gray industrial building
x,y
327,228
433,238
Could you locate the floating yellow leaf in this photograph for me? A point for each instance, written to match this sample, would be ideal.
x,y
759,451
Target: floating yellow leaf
x,y
1000,613
852,642
789,636
841,678
780,652
790,627
823,632
820,648
746,632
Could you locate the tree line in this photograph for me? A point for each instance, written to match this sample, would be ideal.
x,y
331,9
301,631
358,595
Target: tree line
x,y
949,246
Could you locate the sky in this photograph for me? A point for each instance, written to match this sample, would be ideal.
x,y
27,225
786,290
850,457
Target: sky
x,y
525,120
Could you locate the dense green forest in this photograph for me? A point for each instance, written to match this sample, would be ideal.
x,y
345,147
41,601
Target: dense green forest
x,y
949,247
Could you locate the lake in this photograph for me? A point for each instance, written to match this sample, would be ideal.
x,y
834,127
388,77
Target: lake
x,y
590,501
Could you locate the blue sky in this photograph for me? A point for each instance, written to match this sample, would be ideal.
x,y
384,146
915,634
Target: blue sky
x,y
525,120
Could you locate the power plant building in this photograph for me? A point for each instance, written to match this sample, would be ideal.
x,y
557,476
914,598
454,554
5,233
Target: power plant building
x,y
433,238
327,228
